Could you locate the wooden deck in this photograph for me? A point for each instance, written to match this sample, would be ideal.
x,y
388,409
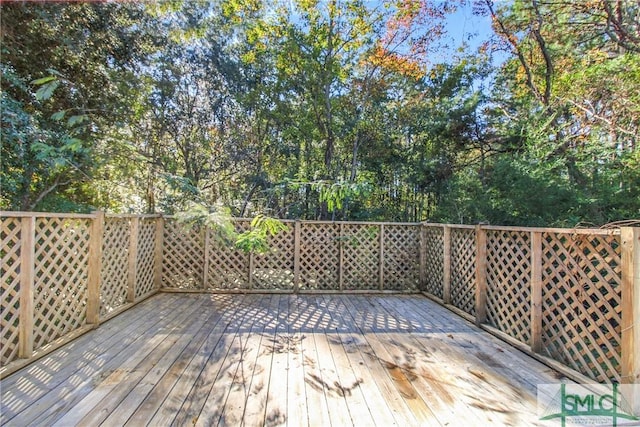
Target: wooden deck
x,y
297,360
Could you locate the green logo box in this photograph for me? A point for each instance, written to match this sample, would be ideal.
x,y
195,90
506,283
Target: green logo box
x,y
571,404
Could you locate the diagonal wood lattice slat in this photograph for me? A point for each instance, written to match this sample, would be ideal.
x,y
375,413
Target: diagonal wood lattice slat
x,y
581,302
10,235
434,260
114,271
361,249
61,277
145,259
508,282
463,264
319,256
402,257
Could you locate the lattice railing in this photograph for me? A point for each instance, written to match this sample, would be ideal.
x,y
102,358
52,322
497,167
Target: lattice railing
x,y
182,256
61,273
61,277
560,292
557,291
581,302
145,260
463,255
227,267
434,260
274,269
360,259
319,256
115,264
10,255
508,289
401,257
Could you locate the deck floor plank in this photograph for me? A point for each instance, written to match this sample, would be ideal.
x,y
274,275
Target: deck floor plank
x,y
212,411
66,395
351,342
431,370
350,384
276,404
316,402
325,376
296,360
143,401
487,373
213,347
390,358
79,360
156,348
169,393
296,392
256,403
236,402
377,374
116,409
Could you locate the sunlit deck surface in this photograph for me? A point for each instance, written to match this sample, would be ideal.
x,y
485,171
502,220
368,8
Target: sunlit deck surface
x,y
297,360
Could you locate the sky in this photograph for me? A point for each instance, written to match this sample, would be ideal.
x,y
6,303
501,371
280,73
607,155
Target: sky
x,y
463,26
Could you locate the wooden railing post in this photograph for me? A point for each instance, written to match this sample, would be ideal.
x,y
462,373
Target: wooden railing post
x,y
422,268
446,265
481,275
133,259
205,256
95,266
159,248
27,277
341,258
536,291
251,260
381,259
630,302
296,256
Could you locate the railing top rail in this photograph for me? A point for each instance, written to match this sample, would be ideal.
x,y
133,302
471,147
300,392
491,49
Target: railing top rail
x,y
573,231
591,231
437,224
22,214
17,214
360,222
142,216
311,221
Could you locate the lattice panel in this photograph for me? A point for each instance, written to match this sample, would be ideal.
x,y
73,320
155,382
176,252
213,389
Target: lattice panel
x,y
145,264
509,282
463,264
361,256
10,235
434,261
319,256
228,267
401,257
581,311
115,258
274,270
182,257
61,276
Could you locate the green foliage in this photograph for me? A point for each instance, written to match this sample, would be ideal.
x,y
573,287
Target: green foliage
x,y
320,110
256,239
218,219
219,222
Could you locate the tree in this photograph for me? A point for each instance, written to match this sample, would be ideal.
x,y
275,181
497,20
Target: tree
x,y
59,97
